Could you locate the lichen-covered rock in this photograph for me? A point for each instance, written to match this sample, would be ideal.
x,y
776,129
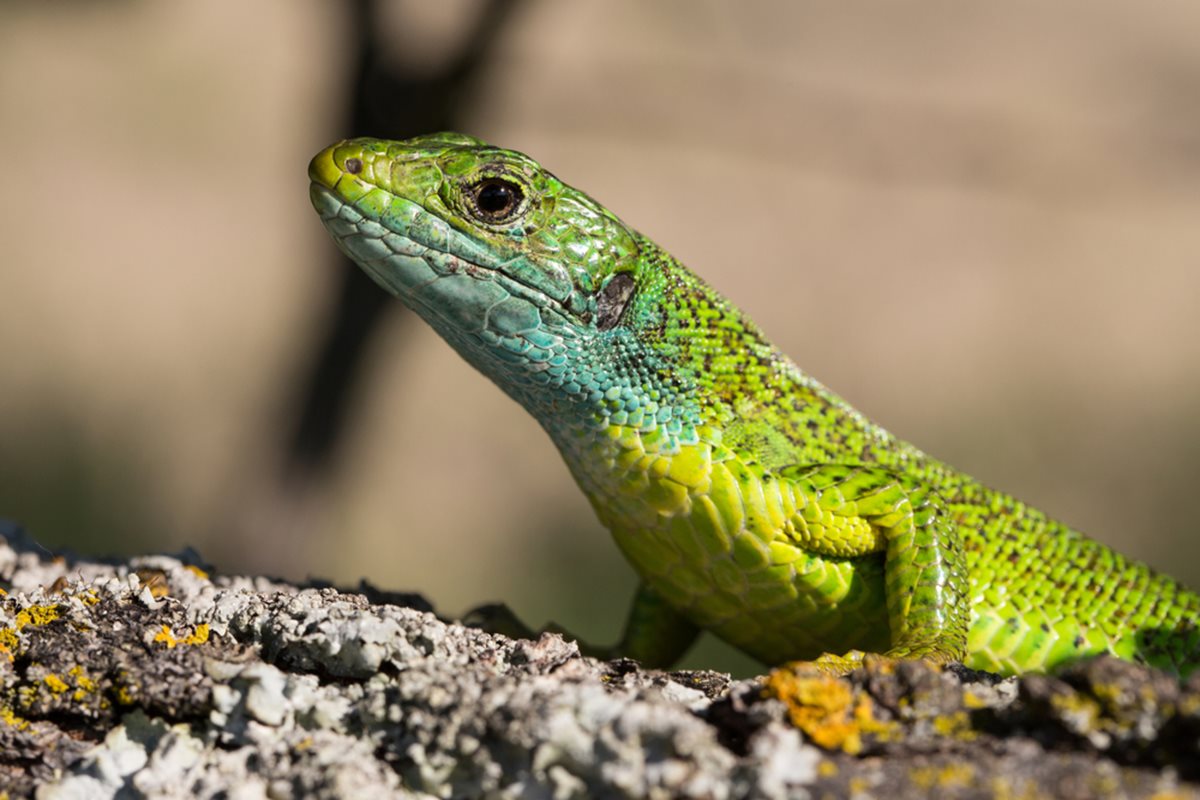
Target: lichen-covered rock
x,y
153,678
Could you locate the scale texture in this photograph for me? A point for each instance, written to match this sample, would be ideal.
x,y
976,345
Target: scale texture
x,y
751,500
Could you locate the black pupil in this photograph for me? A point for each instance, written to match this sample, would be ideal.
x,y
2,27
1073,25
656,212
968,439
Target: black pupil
x,y
353,165
497,198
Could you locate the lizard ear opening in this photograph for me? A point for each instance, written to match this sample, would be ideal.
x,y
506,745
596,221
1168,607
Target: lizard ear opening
x,y
613,299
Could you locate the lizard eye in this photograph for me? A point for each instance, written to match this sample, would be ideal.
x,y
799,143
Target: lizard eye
x,y
612,300
495,199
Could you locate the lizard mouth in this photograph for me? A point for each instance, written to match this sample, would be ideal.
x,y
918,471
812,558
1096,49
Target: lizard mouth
x,y
412,259
379,248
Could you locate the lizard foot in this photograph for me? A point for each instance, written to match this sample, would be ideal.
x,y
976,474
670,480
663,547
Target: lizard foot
x,y
834,664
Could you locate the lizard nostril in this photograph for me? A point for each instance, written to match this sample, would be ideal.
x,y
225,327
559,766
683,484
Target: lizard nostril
x,y
354,165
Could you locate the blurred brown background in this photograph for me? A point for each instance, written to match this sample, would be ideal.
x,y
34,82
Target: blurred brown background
x,y
980,225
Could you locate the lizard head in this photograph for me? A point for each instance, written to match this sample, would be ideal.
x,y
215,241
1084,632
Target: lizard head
x,y
532,281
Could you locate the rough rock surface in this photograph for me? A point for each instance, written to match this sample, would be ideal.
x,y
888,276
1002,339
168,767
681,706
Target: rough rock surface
x,y
155,678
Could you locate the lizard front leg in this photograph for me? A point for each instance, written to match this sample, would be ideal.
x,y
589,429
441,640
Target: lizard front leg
x,y
848,511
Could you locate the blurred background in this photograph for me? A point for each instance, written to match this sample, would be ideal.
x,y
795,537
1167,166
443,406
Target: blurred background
x,y
978,224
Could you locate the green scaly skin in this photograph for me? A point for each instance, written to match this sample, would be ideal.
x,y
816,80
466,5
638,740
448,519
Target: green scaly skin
x,y
751,500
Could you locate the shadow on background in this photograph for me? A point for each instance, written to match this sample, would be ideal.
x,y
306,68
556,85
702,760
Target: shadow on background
x,y
387,99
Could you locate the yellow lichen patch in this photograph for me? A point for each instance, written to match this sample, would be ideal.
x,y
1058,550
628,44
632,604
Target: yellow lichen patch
x,y
937,780
89,598
197,636
55,684
10,718
124,696
167,637
823,707
973,701
34,615
37,615
9,642
957,725
27,695
84,685
827,769
124,689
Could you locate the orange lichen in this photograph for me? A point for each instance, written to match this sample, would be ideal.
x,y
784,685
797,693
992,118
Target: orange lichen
x,y
825,708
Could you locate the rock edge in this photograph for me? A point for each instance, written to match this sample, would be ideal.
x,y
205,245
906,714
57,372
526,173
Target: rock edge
x,y
152,677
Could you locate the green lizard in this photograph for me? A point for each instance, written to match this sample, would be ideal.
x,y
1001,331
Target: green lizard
x,y
751,500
